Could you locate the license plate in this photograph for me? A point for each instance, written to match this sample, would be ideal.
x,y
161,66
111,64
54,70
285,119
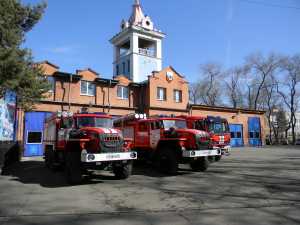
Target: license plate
x,y
113,156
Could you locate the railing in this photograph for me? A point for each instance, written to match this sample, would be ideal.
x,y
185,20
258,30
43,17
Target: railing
x,y
147,52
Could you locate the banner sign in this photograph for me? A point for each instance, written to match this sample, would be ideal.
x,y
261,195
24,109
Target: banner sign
x,y
7,116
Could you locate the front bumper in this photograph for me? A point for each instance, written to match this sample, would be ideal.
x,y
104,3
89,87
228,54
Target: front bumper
x,y
107,157
225,149
201,153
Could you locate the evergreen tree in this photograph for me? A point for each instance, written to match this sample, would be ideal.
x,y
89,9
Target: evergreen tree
x,y
17,70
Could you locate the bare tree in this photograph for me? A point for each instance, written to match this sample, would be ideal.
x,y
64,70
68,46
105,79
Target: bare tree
x,y
233,86
271,104
209,84
287,89
259,69
194,93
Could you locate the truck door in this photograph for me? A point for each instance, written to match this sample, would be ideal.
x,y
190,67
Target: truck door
x,y
154,134
142,135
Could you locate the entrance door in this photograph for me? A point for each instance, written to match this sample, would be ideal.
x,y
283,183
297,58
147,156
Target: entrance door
x,y
236,133
254,131
33,133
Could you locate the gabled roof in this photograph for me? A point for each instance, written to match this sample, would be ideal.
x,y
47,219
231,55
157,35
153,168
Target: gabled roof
x,y
49,63
88,69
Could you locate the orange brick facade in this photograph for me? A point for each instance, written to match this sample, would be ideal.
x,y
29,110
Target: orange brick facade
x,y
141,97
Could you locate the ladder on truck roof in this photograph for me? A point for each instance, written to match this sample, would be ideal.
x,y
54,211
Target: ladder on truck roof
x,y
119,122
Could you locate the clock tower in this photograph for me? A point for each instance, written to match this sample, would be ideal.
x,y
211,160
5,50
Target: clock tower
x,y
137,47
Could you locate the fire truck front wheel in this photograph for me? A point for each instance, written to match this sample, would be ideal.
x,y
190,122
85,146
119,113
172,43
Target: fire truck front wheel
x,y
218,158
200,164
122,171
73,168
50,159
168,162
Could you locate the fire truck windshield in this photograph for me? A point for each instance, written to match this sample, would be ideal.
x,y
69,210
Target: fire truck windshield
x,y
218,128
179,124
94,122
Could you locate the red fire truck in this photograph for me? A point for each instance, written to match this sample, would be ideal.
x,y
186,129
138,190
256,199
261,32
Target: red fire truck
x,y
217,128
167,141
86,141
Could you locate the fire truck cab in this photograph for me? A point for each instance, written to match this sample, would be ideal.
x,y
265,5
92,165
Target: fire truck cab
x,y
167,141
86,141
217,128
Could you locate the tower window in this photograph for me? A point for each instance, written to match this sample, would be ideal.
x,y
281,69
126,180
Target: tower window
x,y
123,64
128,66
122,92
161,94
117,70
147,47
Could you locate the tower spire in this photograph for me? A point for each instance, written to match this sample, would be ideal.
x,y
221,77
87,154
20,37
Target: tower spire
x,y
137,15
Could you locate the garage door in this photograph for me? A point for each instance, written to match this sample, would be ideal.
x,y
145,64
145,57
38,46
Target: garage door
x,y
254,131
33,133
236,133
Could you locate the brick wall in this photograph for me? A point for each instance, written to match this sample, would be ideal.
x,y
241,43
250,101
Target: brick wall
x,y
234,117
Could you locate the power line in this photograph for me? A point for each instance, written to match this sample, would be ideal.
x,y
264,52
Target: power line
x,y
271,5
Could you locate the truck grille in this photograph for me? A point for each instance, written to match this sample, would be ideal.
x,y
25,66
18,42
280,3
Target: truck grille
x,y
111,143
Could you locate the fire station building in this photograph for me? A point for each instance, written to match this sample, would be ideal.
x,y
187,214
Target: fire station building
x,y
138,84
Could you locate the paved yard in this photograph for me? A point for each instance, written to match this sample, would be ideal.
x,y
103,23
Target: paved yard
x,y
251,186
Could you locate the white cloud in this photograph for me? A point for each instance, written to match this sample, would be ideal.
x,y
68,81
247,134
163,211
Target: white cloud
x,y
62,49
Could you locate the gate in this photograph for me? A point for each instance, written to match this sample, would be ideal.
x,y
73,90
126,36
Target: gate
x,y
236,135
254,131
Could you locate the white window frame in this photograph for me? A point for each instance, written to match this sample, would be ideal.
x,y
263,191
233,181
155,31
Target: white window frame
x,y
176,93
52,82
42,137
164,94
88,84
122,92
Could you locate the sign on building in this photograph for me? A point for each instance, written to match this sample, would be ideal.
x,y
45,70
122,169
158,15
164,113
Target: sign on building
x,y
7,116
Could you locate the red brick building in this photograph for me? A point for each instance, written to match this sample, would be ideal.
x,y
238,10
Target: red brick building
x,y
139,84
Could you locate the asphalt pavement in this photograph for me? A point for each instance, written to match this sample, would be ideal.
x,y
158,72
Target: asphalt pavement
x,y
251,186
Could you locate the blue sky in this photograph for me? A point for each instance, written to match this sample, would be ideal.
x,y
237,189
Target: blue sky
x,y
75,34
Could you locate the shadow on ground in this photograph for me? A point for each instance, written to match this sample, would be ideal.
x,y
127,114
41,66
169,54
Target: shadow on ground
x,y
35,172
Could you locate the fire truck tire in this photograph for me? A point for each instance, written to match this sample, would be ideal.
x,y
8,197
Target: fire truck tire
x,y
73,168
200,165
123,171
168,162
218,158
50,159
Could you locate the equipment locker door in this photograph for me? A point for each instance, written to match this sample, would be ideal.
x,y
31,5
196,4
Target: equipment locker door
x,y
154,134
236,133
142,137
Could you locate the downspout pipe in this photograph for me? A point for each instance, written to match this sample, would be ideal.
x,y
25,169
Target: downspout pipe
x,y
69,94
